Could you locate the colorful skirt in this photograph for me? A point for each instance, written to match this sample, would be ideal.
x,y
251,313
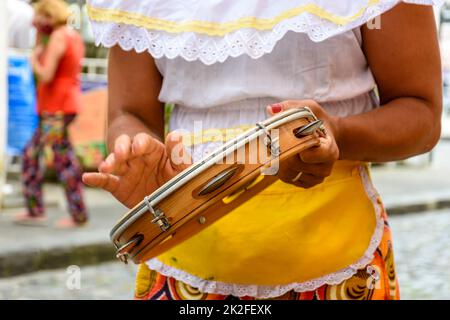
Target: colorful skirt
x,y
364,285
375,281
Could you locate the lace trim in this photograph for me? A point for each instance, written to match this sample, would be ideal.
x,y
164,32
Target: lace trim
x,y
264,292
216,28
193,46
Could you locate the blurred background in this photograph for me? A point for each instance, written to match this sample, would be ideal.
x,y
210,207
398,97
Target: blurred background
x,y
43,262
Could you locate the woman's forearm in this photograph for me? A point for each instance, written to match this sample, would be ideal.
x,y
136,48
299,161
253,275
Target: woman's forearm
x,y
133,96
400,129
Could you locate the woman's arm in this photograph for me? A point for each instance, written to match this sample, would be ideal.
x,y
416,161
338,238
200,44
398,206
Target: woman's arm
x,y
405,60
139,161
134,86
56,47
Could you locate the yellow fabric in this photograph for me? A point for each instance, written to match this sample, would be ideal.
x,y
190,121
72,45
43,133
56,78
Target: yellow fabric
x,y
215,28
213,135
285,234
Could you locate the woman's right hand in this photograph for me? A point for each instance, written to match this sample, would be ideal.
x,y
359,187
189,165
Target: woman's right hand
x,y
138,166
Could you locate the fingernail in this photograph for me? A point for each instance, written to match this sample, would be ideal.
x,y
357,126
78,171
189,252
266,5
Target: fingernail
x,y
136,146
276,107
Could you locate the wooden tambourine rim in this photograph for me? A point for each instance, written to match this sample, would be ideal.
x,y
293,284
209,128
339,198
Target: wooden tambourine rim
x,y
136,213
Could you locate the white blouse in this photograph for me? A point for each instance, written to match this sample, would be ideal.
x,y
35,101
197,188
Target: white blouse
x,y
298,68
235,93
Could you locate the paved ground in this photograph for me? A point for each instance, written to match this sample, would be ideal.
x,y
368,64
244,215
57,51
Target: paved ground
x,y
105,281
104,211
421,249
30,248
415,181
422,253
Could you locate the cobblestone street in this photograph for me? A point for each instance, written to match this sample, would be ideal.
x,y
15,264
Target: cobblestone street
x,y
105,281
421,248
422,252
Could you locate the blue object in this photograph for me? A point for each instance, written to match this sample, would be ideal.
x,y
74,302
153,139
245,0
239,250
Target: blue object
x,y
22,115
88,85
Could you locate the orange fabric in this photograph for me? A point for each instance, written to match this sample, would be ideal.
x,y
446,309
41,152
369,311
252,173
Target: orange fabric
x,y
63,93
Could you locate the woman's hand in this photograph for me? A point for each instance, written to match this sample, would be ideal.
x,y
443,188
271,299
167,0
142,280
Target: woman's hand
x,y
313,165
36,55
138,166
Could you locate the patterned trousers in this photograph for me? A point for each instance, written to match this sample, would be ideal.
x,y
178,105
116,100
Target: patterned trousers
x,y
65,164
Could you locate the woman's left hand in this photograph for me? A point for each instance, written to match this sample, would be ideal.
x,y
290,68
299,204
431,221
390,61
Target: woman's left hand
x,y
313,165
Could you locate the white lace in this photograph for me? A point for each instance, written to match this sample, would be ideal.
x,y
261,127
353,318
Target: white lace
x,y
209,49
264,292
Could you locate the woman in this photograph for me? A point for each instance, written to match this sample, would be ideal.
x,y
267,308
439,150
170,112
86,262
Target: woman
x,y
56,62
321,232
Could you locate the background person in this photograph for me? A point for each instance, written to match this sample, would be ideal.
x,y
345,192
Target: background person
x,y
56,61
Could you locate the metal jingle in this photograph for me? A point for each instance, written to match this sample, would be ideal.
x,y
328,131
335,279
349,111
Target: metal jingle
x,y
218,181
308,129
124,250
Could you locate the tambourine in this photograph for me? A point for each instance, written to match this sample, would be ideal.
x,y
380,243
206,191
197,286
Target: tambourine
x,y
214,186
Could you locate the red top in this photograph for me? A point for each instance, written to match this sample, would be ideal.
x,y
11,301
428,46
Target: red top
x,y
63,93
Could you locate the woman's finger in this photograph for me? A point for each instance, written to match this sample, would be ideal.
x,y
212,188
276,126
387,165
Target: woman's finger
x,y
322,154
111,166
180,158
290,104
142,144
318,169
106,166
287,174
104,181
122,148
307,180
136,171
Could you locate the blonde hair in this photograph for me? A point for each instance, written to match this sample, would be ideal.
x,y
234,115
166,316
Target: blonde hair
x,y
57,9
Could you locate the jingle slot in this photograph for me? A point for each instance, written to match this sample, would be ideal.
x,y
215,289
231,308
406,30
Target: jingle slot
x,y
230,198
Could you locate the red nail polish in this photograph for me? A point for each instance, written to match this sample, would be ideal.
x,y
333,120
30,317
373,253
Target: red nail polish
x,y
276,107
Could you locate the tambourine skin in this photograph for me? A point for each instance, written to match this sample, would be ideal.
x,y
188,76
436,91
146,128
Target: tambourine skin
x,y
208,196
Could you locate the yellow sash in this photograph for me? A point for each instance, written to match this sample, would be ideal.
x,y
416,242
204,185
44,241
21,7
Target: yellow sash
x,y
285,234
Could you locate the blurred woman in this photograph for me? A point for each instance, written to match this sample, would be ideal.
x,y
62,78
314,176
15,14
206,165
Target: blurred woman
x,y
56,62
